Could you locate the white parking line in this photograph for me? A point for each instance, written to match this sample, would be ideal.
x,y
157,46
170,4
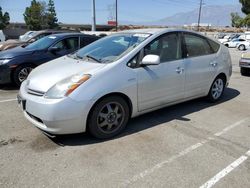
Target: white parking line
x,y
180,154
8,100
225,171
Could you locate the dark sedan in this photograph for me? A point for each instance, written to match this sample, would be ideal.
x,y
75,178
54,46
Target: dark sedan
x,y
36,35
17,63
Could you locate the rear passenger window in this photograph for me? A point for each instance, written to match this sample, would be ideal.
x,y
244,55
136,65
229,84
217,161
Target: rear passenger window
x,y
196,46
215,46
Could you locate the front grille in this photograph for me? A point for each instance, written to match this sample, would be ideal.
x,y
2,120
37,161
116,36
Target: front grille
x,y
35,118
34,92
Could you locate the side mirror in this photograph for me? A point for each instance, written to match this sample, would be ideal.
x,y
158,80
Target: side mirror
x,y
151,60
53,49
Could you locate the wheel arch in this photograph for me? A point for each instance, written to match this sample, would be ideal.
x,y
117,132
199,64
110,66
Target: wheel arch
x,y
223,76
122,95
19,65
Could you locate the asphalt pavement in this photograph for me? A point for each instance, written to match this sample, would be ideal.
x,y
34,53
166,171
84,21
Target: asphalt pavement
x,y
193,144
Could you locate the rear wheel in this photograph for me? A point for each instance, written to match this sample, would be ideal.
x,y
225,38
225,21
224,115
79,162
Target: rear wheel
x,y
109,117
21,73
241,47
244,71
216,90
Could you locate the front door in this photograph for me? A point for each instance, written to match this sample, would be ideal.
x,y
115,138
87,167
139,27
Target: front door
x,y
162,84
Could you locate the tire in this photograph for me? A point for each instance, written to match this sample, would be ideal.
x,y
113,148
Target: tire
x,y
244,71
108,117
242,47
227,45
217,89
21,73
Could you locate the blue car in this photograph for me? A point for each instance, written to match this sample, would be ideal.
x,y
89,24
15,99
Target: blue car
x,y
17,63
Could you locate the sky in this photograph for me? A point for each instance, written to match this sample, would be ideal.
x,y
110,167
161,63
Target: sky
x,y
79,11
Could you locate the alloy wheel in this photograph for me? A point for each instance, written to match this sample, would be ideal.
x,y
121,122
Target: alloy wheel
x,y
110,117
23,74
217,88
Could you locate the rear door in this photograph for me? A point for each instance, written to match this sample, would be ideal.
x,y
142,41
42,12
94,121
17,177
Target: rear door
x,y
200,64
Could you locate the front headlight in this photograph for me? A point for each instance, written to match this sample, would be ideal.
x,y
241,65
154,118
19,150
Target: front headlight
x,y
66,86
4,61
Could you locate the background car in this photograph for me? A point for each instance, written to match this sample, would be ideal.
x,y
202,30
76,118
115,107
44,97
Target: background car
x,y
241,44
2,36
245,64
245,45
17,63
124,75
32,37
26,36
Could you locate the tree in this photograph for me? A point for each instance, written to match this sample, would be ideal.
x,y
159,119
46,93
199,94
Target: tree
x,y
4,19
245,6
34,15
247,21
51,15
246,9
237,21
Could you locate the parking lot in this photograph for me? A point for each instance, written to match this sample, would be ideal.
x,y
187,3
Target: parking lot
x,y
194,144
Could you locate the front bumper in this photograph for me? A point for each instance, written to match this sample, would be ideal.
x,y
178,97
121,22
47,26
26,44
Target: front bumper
x,y
5,74
54,116
245,63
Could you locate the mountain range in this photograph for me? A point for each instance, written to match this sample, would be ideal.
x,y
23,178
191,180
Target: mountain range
x,y
211,14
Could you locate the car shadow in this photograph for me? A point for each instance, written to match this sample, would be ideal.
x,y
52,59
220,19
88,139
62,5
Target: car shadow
x,y
149,120
8,87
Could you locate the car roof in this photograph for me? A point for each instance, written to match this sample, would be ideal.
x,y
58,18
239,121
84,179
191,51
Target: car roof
x,y
155,30
60,35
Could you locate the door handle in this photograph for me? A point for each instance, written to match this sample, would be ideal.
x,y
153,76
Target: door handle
x,y
214,64
179,70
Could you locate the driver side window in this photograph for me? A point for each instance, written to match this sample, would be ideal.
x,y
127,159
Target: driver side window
x,y
68,44
60,45
167,47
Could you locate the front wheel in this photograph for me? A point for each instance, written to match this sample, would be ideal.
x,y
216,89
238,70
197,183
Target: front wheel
x,y
109,117
216,90
21,73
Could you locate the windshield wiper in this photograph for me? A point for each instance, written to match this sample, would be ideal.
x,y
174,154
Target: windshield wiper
x,y
93,58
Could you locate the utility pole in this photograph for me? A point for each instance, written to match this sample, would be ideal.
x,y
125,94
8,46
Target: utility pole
x,y
116,15
199,18
93,16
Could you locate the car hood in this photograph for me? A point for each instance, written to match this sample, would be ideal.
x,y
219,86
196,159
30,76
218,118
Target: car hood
x,y
246,55
14,52
45,76
11,43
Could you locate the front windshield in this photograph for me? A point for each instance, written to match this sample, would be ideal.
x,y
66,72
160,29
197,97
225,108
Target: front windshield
x,y
42,43
111,48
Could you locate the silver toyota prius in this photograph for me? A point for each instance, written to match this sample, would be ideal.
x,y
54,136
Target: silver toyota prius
x,y
102,85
